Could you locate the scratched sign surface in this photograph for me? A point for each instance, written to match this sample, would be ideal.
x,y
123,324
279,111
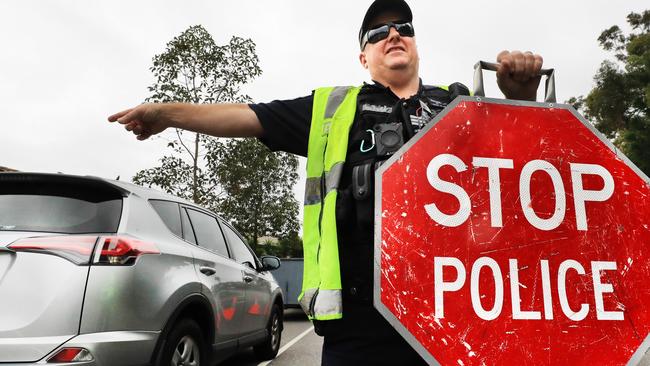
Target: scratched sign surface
x,y
512,234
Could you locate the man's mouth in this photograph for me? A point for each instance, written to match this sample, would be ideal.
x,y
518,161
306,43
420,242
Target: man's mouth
x,y
395,48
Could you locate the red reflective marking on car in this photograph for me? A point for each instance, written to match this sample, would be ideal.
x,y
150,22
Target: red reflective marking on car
x,y
254,309
65,355
229,312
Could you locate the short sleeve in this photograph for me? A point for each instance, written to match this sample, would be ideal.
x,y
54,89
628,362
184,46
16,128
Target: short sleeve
x,y
286,124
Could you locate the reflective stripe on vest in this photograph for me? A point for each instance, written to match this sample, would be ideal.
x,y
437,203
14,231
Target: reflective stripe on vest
x,y
332,115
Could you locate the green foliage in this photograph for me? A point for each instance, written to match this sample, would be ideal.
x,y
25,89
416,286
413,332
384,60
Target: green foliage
x,y
174,176
258,187
194,69
619,104
240,179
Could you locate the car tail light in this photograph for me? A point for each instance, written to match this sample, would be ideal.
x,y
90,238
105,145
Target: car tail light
x,y
123,250
77,249
112,250
71,355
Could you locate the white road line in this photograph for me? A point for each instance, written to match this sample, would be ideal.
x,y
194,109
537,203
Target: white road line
x,y
286,346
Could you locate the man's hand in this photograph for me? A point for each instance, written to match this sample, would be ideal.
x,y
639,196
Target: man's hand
x,y
219,120
518,74
144,120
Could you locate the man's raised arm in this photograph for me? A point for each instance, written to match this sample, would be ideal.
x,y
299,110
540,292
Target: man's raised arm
x,y
221,120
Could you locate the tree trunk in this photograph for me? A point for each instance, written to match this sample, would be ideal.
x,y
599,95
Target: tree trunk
x,y
195,185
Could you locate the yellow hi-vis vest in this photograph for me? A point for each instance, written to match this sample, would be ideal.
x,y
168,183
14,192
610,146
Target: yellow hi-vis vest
x,y
332,115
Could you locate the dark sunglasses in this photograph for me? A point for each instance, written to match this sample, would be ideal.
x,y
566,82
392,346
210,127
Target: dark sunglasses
x,y
382,31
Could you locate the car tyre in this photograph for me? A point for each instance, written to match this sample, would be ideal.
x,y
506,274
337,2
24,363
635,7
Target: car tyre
x,y
268,349
184,346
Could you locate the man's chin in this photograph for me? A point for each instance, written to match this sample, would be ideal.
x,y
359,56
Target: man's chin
x,y
398,66
397,61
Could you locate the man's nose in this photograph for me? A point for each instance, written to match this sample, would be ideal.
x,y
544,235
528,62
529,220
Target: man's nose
x,y
393,34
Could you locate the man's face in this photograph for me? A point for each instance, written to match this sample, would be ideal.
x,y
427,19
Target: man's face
x,y
395,53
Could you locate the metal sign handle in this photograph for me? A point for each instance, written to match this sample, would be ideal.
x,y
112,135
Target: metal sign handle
x,y
490,66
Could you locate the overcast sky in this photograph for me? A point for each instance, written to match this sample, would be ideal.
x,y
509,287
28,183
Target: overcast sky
x,y
66,65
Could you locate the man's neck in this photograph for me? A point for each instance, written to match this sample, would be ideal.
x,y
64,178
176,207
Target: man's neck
x,y
402,87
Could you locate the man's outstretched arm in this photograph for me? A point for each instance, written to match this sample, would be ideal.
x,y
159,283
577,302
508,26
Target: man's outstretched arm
x,y
221,120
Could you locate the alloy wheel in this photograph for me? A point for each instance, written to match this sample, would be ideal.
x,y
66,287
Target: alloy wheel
x,y
275,331
186,353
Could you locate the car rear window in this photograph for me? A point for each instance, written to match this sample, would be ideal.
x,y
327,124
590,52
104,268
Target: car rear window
x,y
58,214
58,205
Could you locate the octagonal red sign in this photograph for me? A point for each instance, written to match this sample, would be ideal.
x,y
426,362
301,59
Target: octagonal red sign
x,y
512,233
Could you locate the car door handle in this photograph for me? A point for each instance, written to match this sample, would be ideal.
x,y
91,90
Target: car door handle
x,y
248,279
208,271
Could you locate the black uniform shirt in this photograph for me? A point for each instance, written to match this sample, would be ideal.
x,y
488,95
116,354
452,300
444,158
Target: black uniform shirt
x,y
286,123
286,126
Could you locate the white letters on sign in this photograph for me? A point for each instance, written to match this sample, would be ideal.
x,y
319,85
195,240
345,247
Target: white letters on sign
x,y
494,166
457,281
443,186
494,186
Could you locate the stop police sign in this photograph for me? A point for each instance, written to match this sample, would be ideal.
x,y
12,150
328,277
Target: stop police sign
x,y
514,233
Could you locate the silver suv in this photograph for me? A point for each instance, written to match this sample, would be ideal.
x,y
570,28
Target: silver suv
x,y
101,272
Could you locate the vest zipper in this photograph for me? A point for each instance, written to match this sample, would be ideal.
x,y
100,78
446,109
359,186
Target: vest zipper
x,y
312,302
323,187
312,305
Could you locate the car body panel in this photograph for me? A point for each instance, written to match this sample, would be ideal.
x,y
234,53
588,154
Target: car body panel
x,y
41,304
258,298
124,348
225,289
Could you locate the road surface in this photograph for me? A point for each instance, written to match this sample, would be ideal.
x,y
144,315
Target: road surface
x,y
299,345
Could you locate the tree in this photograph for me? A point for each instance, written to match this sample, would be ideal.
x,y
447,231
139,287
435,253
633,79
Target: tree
x,y
258,187
194,69
238,178
619,104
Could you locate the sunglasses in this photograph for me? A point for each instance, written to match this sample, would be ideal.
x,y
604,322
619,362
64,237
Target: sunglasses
x,y
382,31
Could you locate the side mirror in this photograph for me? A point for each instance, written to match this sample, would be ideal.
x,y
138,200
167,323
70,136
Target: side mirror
x,y
270,263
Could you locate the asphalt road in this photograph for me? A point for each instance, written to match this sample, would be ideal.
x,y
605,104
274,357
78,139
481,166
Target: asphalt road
x,y
299,345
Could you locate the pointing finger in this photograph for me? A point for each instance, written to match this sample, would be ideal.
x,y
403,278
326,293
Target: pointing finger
x,y
115,116
132,115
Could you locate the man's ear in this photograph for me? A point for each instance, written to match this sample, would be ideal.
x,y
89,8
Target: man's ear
x,y
362,59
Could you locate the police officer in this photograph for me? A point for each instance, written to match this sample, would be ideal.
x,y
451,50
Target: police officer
x,y
372,122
